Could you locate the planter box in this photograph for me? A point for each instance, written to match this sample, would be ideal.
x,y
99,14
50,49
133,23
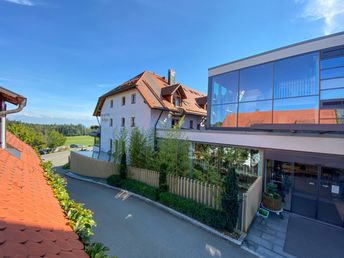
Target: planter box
x,y
273,204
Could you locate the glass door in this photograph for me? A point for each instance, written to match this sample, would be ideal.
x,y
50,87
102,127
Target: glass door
x,y
331,196
304,198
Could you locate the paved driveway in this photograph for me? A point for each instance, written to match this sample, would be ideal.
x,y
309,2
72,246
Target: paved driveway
x,y
133,228
57,158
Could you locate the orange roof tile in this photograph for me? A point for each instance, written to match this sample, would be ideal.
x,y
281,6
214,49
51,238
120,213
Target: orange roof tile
x,y
32,222
153,88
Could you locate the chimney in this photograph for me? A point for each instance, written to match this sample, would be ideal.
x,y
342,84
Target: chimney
x,y
171,77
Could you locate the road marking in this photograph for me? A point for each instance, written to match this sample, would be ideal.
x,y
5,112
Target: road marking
x,y
123,195
213,251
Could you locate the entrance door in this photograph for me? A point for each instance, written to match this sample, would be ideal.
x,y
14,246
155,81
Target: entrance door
x,y
331,196
304,198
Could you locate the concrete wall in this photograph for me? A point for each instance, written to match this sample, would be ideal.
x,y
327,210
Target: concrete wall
x,y
87,166
312,143
251,202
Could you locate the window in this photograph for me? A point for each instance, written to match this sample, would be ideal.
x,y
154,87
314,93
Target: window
x,y
176,101
191,124
123,101
111,103
111,122
174,122
133,122
297,76
123,122
224,88
256,83
110,145
332,116
332,83
224,115
255,112
133,98
302,110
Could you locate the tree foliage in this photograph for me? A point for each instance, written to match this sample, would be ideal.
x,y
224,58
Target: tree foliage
x,y
230,201
27,134
174,151
123,170
55,139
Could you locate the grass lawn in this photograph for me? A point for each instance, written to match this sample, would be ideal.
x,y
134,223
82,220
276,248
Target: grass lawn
x,y
79,140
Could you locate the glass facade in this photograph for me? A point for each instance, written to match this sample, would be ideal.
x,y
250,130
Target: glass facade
x,y
303,89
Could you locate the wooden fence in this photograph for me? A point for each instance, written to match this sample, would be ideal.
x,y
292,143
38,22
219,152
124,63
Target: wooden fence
x,y
198,191
146,176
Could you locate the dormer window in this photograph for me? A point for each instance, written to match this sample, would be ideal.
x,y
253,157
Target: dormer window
x,y
177,101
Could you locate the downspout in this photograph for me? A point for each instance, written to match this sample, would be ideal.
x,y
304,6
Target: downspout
x,y
155,138
100,134
3,113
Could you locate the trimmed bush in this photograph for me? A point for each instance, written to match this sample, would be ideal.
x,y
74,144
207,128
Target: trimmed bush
x,y
230,200
114,180
202,213
140,188
163,187
123,171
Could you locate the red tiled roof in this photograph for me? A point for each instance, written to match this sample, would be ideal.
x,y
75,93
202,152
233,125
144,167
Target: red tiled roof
x,y
32,223
153,87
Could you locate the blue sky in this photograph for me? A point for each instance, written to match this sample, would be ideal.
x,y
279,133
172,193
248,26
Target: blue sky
x,y
62,55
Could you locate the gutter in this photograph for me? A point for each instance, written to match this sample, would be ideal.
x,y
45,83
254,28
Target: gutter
x,y
3,114
20,107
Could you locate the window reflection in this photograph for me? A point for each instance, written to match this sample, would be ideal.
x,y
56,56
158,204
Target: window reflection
x,y
332,116
297,76
332,83
256,112
333,62
332,94
256,83
302,110
225,88
332,73
224,115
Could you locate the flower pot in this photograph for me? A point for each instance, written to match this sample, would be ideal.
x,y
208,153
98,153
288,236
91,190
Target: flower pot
x,y
273,203
263,213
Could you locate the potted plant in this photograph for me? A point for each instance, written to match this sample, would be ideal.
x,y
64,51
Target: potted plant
x,y
272,200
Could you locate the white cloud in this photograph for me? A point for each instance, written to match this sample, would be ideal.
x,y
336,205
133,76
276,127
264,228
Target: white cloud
x,y
21,2
330,11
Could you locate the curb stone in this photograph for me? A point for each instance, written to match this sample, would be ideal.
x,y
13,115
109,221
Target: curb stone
x,y
171,211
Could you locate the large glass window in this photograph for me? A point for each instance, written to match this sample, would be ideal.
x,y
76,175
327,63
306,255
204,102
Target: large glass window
x,y
332,83
332,116
255,112
224,115
256,83
297,76
224,88
303,110
332,73
332,94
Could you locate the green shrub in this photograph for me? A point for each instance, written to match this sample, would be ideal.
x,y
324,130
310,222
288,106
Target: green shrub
x,y
140,188
202,213
80,219
230,200
123,171
114,180
163,186
66,166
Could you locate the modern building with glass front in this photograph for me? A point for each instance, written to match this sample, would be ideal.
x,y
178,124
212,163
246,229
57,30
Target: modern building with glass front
x,y
288,103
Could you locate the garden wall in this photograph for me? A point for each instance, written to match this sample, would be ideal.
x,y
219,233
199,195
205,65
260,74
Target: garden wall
x,y
251,202
87,166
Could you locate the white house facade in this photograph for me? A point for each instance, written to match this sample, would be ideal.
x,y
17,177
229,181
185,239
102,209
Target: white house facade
x,y
148,102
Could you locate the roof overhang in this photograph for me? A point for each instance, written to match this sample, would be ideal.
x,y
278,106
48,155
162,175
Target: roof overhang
x,y
317,44
11,97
